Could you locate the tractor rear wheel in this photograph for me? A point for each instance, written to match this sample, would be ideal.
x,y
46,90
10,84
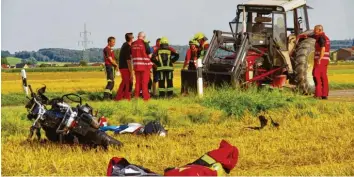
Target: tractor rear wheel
x,y
303,64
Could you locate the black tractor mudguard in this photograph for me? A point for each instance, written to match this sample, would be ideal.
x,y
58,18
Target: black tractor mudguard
x,y
189,80
218,79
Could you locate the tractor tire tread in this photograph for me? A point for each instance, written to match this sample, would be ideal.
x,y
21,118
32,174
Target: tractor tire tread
x,y
302,52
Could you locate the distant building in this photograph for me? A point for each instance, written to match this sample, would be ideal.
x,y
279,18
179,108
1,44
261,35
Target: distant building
x,y
338,44
33,66
97,64
345,53
5,66
21,65
48,65
72,65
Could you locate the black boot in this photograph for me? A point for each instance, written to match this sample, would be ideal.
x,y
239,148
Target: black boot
x,y
107,96
162,94
170,94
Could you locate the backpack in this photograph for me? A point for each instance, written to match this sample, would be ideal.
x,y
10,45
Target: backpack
x,y
154,127
121,167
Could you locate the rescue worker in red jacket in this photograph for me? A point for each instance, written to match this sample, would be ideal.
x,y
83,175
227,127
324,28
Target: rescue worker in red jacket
x,y
191,56
203,44
322,58
164,58
141,55
111,66
147,43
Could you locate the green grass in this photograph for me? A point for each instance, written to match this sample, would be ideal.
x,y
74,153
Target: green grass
x,y
314,138
14,99
13,60
237,102
234,103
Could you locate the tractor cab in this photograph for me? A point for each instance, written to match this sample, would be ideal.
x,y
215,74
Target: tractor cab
x,y
260,46
261,23
279,18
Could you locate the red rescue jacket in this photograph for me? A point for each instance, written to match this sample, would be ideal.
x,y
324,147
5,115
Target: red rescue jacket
x,y
191,56
213,163
141,60
318,47
108,52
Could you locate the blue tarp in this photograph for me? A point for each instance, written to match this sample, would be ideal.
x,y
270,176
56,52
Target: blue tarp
x,y
115,129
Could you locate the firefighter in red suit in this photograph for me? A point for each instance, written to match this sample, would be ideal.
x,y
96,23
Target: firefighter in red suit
x,y
322,58
190,62
141,55
191,56
203,44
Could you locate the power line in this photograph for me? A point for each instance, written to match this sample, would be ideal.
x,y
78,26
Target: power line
x,y
85,43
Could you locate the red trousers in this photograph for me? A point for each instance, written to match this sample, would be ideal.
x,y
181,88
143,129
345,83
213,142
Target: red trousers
x,y
142,80
124,89
320,77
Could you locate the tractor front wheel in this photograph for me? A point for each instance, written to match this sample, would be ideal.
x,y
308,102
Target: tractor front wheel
x,y
303,65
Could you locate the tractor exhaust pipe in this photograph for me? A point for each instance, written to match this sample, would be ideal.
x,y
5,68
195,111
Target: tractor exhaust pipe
x,y
200,77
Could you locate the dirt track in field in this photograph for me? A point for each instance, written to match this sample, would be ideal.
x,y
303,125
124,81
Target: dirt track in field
x,y
341,95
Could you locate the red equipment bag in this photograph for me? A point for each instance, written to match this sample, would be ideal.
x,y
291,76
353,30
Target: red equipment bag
x,y
118,166
213,163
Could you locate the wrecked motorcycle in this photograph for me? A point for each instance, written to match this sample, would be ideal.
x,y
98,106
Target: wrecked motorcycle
x,y
63,123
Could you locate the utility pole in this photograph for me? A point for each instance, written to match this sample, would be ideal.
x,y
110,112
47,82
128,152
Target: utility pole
x,y
84,43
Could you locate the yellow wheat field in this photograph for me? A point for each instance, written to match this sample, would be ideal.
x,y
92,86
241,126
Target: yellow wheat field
x,y
64,81
301,146
96,81
314,137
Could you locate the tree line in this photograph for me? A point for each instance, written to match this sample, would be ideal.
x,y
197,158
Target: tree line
x,y
68,55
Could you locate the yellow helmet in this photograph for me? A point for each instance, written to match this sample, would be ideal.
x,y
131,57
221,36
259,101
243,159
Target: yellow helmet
x,y
146,41
164,40
193,42
199,36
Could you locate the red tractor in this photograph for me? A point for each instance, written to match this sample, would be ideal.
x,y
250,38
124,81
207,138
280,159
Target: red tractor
x,y
266,45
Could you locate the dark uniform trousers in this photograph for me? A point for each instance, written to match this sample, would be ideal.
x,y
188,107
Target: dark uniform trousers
x,y
165,76
110,73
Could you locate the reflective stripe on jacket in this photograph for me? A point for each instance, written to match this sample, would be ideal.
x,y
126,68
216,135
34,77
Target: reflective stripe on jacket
x,y
140,58
326,55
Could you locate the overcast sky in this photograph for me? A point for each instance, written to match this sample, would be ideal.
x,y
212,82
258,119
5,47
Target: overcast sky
x,y
35,24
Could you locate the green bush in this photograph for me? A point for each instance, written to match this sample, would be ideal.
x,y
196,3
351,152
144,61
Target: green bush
x,y
237,102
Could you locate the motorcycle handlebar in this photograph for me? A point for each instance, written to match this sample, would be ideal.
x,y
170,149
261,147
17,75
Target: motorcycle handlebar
x,y
71,99
29,86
